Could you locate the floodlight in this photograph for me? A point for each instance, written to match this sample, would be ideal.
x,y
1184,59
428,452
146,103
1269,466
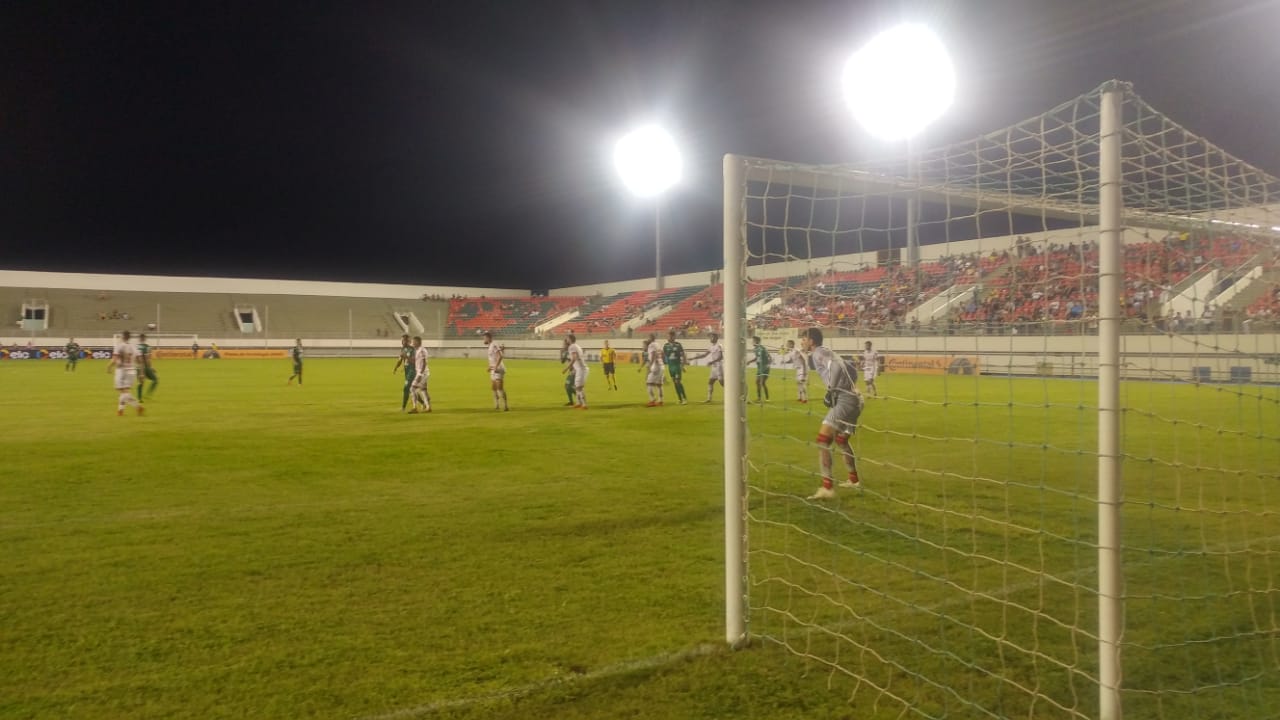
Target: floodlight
x,y
648,161
899,82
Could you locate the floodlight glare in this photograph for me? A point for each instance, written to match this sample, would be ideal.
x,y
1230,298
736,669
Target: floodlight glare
x,y
899,82
647,161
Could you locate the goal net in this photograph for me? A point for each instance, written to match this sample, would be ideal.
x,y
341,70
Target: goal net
x,y
1069,460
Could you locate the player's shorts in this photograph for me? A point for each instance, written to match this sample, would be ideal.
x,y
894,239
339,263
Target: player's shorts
x,y
608,368
675,370
868,375
580,376
843,416
409,372
763,373
126,379
496,374
655,376
802,376
419,381
297,367
717,371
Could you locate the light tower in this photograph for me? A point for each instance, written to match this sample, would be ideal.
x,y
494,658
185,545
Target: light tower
x,y
648,162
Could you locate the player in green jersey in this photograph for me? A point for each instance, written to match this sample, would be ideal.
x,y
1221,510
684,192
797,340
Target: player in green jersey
x,y
568,378
73,355
673,355
405,359
296,354
147,371
762,361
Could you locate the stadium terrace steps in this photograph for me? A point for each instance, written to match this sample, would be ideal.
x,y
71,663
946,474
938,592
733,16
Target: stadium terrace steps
x,y
81,313
505,316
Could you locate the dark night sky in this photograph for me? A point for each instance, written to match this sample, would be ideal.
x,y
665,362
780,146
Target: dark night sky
x,y
403,142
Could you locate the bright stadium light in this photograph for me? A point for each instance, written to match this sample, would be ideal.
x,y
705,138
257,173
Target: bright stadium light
x,y
899,82
648,162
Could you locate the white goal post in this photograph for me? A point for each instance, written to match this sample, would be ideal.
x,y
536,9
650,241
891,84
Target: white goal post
x,y
987,563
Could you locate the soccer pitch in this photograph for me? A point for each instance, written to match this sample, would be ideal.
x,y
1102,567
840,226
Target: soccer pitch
x,y
251,549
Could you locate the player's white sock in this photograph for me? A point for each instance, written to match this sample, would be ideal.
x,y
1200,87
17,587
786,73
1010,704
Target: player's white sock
x,y
659,393
824,465
582,397
500,395
803,392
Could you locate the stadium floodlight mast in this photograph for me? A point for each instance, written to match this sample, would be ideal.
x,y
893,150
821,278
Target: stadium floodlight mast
x,y
649,163
896,85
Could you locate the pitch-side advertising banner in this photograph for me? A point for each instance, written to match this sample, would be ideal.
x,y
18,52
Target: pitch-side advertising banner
x,y
59,353
931,364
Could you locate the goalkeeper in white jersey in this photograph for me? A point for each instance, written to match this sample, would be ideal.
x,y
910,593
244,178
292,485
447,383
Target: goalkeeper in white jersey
x,y
842,418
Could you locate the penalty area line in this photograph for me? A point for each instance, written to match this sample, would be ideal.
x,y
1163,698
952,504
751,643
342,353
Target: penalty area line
x,y
609,671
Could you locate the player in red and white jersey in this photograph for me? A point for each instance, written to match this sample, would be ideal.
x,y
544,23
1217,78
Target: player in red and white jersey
x,y
124,362
653,361
421,398
578,366
715,363
497,372
845,408
801,364
870,368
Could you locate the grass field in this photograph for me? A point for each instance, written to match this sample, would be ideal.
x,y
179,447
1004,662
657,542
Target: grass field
x,y
251,549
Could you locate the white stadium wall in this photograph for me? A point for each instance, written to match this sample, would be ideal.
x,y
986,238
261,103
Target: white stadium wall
x,y
164,283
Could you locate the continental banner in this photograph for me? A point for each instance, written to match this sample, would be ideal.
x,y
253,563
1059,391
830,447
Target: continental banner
x,y
239,353
931,364
210,354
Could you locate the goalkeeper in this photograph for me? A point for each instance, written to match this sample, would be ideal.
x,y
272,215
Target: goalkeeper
x,y
842,418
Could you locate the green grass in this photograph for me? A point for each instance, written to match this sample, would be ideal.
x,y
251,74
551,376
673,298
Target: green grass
x,y
250,549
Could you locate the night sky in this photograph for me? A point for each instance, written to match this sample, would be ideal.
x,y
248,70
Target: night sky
x,y
467,143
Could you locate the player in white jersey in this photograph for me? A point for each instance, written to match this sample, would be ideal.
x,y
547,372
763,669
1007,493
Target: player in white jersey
x,y
842,418
715,363
653,363
801,364
124,362
578,366
870,368
419,385
497,372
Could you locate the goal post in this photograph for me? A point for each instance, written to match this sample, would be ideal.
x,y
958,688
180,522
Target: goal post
x,y
1070,458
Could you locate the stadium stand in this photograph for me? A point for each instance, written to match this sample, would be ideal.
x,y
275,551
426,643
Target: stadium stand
x,y
613,317
90,313
506,316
